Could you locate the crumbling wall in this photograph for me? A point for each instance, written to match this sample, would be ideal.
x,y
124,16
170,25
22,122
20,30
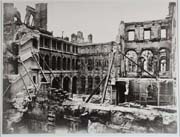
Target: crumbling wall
x,y
128,118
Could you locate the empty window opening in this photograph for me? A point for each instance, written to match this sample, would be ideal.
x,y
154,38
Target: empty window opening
x,y
131,35
59,63
90,85
64,46
64,63
147,34
163,33
34,79
47,43
53,44
53,63
41,41
83,84
68,64
59,45
35,43
68,47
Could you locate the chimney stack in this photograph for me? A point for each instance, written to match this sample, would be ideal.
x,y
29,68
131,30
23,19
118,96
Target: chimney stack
x,y
73,37
80,38
90,38
41,16
171,8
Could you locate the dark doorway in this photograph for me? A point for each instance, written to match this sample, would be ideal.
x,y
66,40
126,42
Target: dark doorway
x,y
120,89
74,85
55,83
66,83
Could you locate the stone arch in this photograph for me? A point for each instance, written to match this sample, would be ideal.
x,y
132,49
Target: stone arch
x,y
77,64
46,62
64,63
130,65
68,63
74,85
55,83
164,60
147,55
66,83
53,62
83,84
90,84
64,46
73,64
59,63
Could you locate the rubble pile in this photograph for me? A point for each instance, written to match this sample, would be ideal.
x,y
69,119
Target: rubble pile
x,y
17,106
128,118
55,99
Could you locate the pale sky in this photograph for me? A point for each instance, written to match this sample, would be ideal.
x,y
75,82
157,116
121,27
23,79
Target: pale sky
x,y
101,18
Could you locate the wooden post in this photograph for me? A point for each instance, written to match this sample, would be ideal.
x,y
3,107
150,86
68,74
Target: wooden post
x,y
158,93
107,78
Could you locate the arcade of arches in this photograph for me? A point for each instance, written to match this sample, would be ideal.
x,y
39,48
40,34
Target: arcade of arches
x,y
86,84
148,61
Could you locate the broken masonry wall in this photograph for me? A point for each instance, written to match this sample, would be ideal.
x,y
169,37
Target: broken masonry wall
x,y
94,62
151,91
41,15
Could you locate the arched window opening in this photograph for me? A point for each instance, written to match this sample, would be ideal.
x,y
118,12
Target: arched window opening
x,y
66,83
64,46
68,63
164,60
77,64
64,63
59,45
53,44
59,63
90,85
73,64
55,83
74,85
83,84
148,60
53,63
130,61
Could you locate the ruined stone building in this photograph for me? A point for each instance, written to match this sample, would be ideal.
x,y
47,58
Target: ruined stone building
x,y
143,67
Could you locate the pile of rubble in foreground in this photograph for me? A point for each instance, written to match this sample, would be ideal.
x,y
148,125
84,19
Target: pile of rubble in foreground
x,y
127,118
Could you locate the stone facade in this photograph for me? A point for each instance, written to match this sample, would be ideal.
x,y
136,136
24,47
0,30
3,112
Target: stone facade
x,y
143,63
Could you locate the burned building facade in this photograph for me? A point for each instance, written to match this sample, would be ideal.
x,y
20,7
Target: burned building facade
x,y
143,65
149,57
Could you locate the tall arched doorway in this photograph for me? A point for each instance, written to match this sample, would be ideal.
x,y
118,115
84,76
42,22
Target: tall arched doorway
x,y
74,85
66,83
55,83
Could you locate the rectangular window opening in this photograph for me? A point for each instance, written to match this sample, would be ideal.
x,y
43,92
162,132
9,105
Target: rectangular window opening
x,y
34,79
163,33
147,34
131,35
